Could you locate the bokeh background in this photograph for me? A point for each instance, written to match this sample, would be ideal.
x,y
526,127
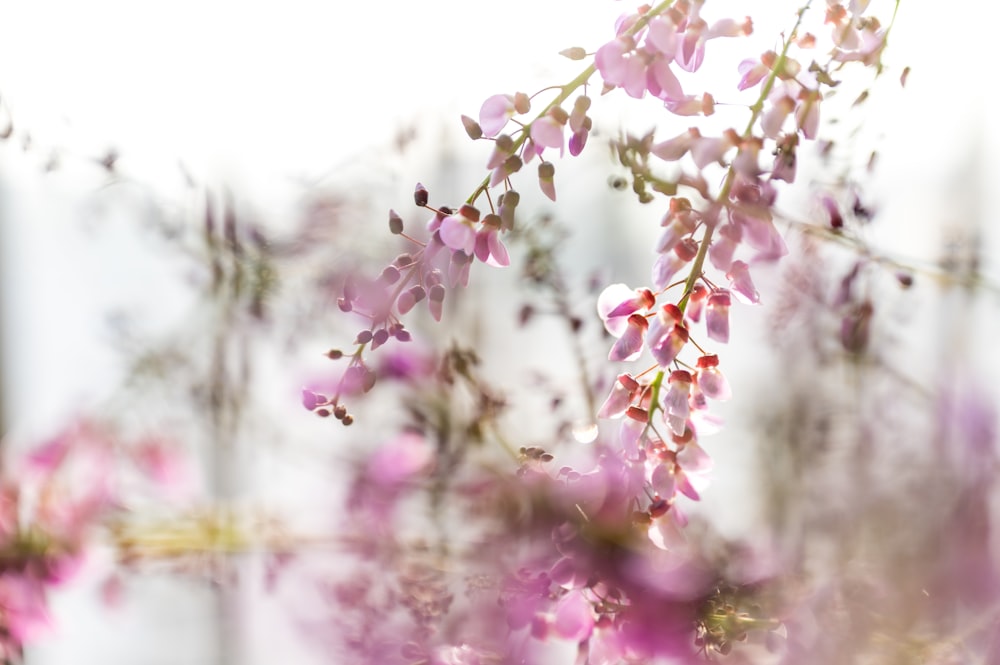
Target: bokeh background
x,y
302,123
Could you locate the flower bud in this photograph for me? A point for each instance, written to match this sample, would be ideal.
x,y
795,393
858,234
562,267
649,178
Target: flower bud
x,y
472,128
395,223
420,195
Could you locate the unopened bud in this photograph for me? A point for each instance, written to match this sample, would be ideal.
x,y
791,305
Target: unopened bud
x,y
334,354
472,128
522,103
470,212
395,223
559,114
390,275
420,195
573,53
379,338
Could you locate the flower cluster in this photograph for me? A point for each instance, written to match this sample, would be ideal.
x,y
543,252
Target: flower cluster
x,y
455,239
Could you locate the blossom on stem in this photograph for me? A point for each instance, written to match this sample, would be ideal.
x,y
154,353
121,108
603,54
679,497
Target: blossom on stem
x,y
710,380
741,283
629,345
617,302
676,407
494,114
458,230
488,247
753,71
623,392
717,316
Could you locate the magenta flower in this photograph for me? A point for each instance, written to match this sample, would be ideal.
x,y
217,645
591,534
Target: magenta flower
x,y
574,617
400,459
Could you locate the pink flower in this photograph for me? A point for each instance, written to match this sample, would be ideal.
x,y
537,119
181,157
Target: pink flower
x,y
807,113
629,345
617,302
669,263
547,131
691,105
546,179
667,336
717,316
752,72
488,247
400,460
710,380
675,404
742,285
621,67
458,231
574,617
494,114
708,150
696,302
673,149
724,246
623,392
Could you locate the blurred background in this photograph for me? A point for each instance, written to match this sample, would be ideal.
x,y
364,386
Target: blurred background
x,y
184,186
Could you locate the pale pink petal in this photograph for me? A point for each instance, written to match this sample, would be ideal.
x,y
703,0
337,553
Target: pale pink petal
x,y
494,114
546,131
673,149
629,345
717,316
662,35
742,285
693,459
498,252
574,618
663,481
610,61
458,234
612,297
666,83
713,383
